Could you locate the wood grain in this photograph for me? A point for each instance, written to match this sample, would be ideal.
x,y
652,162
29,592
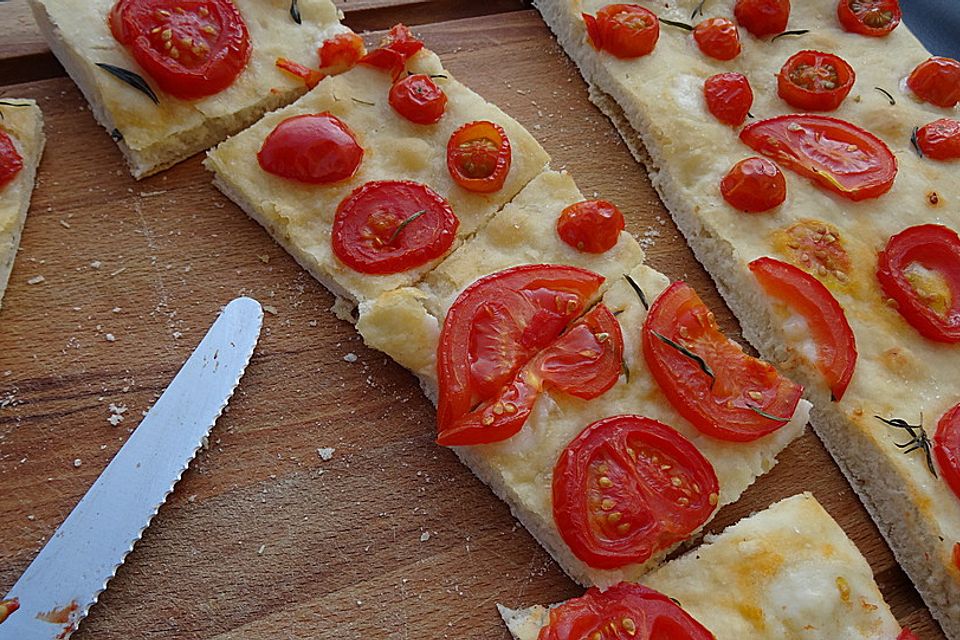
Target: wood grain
x,y
262,538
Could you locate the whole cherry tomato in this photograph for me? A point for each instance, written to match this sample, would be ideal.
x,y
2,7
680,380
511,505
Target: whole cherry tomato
x,y
754,185
718,38
940,139
623,30
762,17
729,97
592,226
937,81
313,148
418,99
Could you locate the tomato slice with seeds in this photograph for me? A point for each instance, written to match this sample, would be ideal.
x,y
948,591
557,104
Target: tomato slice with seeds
x,y
397,47
718,38
817,248
920,269
623,30
418,99
340,52
940,139
313,148
191,48
835,154
478,156
762,17
803,294
937,81
625,611
389,226
875,18
707,377
628,487
11,162
815,81
754,185
591,226
729,97
946,450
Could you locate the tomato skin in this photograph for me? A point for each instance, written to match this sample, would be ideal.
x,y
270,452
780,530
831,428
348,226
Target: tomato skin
x,y
762,17
940,139
191,48
816,247
754,185
936,248
807,143
937,81
718,38
312,148
623,30
815,81
876,18
397,47
906,634
807,296
340,52
11,162
591,226
311,77
614,509
632,610
719,407
729,97
479,156
946,449
418,99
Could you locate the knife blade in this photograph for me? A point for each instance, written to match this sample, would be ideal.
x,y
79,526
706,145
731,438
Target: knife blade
x,y
68,575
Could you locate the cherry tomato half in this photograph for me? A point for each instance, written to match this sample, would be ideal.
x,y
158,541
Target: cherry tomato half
x,y
729,97
920,269
397,47
762,17
628,487
835,154
624,611
340,52
815,81
191,48
875,18
478,156
940,139
906,634
623,30
11,162
313,148
591,226
754,185
937,81
718,38
946,448
389,226
707,377
418,99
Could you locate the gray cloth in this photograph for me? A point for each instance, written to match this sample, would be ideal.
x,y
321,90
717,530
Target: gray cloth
x,y
936,23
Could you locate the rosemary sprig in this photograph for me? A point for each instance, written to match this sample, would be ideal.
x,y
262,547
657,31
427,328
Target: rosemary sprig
x,y
768,416
403,225
690,354
698,10
887,93
626,369
674,23
915,141
295,12
359,101
131,78
636,287
795,32
918,439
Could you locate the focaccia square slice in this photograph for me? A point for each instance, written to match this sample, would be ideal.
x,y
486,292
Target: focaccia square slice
x,y
22,125
154,136
786,572
300,216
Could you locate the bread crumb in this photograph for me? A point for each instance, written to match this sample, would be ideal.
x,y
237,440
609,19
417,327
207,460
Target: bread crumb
x,y
326,453
36,280
110,337
77,463
424,536
96,264
350,357
272,310
116,413
64,224
261,549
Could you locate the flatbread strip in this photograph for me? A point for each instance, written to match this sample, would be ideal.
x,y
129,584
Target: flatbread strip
x,y
659,110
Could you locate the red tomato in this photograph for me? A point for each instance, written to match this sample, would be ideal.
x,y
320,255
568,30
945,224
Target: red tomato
x,y
956,563
313,148
816,247
418,99
396,48
874,18
623,30
340,52
10,160
837,155
628,487
937,81
920,269
940,139
762,17
389,226
906,634
191,48
815,81
310,77
805,295
592,226
625,611
729,402
729,97
718,38
754,185
946,449
478,156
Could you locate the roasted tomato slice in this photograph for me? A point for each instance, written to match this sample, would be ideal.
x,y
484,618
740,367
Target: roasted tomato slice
x,y
754,185
762,17
816,247
478,156
418,99
625,611
940,139
707,377
340,52
11,162
946,448
937,81
389,226
313,148
395,49
191,48
628,487
623,30
869,17
839,156
729,97
591,226
920,269
815,81
718,38
806,296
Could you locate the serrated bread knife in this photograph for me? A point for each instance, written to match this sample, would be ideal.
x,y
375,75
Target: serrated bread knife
x,y
57,590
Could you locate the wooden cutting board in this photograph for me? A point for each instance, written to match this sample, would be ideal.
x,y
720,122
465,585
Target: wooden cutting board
x,y
263,538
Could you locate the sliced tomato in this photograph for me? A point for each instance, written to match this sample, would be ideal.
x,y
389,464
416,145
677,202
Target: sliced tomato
x,y
709,380
875,18
718,38
389,226
815,81
191,48
940,139
729,97
418,99
313,148
816,247
762,17
478,156
837,155
831,333
625,611
591,226
340,52
311,77
11,162
623,30
946,448
920,270
628,487
754,185
397,47
937,81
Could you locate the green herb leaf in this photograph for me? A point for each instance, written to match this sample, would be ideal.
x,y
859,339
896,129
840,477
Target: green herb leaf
x,y
887,93
698,10
795,32
690,354
359,101
674,23
295,12
131,78
918,439
768,416
915,141
636,287
403,225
